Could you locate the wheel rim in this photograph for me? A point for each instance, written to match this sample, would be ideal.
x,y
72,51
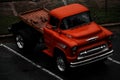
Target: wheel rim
x,y
60,64
19,41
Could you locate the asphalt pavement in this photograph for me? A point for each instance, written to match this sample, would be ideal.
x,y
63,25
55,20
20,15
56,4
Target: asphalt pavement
x,y
16,65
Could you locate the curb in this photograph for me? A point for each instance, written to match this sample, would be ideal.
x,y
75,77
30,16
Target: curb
x,y
7,35
105,25
110,24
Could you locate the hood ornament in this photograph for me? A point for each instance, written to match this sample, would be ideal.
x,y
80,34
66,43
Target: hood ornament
x,y
92,39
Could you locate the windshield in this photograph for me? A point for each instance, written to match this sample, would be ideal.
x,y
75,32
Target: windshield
x,y
75,20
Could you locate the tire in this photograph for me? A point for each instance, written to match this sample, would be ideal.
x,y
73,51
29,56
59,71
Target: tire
x,y
19,41
25,40
61,62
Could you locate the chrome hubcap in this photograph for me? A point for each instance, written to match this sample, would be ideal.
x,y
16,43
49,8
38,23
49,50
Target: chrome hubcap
x,y
60,64
19,41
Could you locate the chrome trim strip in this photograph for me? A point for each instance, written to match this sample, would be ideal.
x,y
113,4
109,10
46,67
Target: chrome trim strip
x,y
92,38
101,47
75,64
94,49
93,54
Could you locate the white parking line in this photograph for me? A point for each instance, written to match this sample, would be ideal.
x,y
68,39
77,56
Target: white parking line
x,y
115,61
38,66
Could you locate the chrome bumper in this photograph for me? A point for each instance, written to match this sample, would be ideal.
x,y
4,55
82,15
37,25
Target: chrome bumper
x,y
83,61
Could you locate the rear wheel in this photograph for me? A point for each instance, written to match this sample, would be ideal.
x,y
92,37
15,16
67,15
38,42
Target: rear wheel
x,y
26,37
25,40
19,41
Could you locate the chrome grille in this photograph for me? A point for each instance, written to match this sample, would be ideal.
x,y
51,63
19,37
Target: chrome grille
x,y
93,50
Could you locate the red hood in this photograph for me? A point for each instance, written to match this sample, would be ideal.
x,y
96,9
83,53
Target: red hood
x,y
88,30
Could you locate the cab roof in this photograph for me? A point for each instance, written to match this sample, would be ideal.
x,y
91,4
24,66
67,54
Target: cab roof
x,y
68,10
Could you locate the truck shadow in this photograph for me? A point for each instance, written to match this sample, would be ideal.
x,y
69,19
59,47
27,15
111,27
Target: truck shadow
x,y
92,72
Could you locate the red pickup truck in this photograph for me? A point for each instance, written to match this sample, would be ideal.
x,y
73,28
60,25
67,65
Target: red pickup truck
x,y
68,34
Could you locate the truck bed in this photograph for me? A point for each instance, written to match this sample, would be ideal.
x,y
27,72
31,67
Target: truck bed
x,y
35,18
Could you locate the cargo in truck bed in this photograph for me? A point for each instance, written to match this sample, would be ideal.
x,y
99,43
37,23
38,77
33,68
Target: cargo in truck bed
x,y
35,18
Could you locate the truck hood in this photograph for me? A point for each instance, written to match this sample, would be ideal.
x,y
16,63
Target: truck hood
x,y
86,34
85,31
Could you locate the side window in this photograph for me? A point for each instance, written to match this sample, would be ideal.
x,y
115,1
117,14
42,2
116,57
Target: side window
x,y
54,21
64,25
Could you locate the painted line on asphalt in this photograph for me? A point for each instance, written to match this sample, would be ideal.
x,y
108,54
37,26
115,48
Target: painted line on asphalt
x,y
38,66
115,61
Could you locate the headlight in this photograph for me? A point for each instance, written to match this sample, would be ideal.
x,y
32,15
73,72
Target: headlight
x,y
74,48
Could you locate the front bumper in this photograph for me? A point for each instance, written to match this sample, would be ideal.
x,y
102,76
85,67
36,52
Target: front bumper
x,y
93,58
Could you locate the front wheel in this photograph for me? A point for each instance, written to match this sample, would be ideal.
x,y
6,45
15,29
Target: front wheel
x,y
61,63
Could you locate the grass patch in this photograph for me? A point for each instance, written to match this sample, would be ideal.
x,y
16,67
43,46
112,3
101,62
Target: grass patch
x,y
5,22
